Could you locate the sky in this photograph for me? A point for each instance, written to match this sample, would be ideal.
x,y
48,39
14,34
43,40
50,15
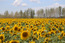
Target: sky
x,y
17,5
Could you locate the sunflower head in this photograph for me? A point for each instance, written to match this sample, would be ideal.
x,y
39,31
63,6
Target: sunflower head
x,y
14,41
45,42
3,29
15,28
2,37
25,35
31,41
0,40
7,41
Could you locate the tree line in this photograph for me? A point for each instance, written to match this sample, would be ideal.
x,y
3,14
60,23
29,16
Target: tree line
x,y
41,13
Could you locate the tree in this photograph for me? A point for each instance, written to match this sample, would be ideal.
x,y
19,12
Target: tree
x,y
59,10
11,15
63,11
32,13
16,15
46,12
24,15
51,11
27,13
6,14
40,13
21,13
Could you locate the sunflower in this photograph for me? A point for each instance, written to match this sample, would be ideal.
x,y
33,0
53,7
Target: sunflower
x,y
15,28
53,28
14,41
49,33
27,26
0,41
2,37
7,41
62,27
43,25
31,41
60,37
57,31
31,26
11,31
19,29
36,34
7,27
43,28
45,42
25,35
35,28
64,34
47,39
3,29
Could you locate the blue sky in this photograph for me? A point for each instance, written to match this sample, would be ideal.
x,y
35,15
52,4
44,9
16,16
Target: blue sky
x,y
17,5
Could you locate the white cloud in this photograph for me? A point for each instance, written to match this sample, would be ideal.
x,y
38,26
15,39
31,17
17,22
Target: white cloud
x,y
17,2
24,4
56,5
37,1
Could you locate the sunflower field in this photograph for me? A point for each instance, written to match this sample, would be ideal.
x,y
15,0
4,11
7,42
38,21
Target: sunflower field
x,y
41,30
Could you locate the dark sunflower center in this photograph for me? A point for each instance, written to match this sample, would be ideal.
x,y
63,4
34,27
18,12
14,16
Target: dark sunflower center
x,y
7,27
53,29
7,41
11,31
3,28
1,37
45,42
31,26
25,34
43,32
16,28
14,42
56,26
57,31
19,29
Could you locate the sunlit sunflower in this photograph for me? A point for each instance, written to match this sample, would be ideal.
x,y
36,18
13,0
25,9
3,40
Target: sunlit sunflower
x,y
64,34
19,29
14,41
3,29
11,31
2,37
31,26
15,28
47,39
25,35
31,41
57,31
60,37
27,26
36,34
0,41
7,27
45,42
42,33
7,41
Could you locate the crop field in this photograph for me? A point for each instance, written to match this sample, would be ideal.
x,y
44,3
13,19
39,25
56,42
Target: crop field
x,y
41,30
